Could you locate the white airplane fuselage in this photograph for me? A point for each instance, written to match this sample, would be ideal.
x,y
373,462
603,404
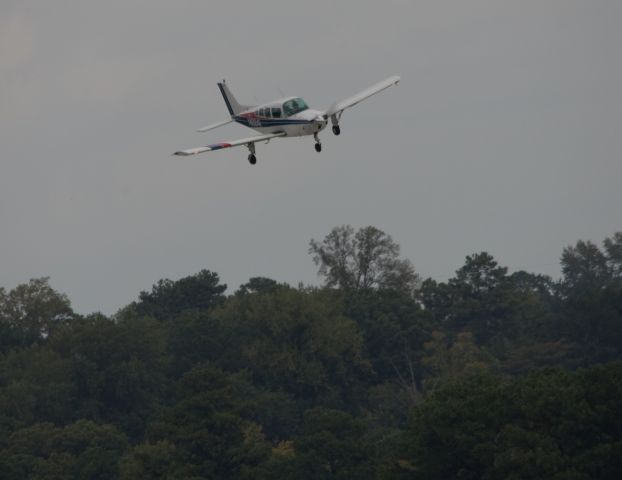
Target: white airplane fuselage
x,y
274,117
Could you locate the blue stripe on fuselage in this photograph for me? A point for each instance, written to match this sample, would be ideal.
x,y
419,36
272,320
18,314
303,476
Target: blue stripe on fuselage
x,y
270,122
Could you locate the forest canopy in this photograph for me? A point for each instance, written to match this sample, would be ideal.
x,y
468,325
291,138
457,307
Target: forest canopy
x,y
376,373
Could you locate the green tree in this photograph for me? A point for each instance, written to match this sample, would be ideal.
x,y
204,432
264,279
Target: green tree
x,y
35,386
476,299
613,251
30,312
584,267
394,328
149,461
363,260
296,341
208,430
195,337
547,424
81,450
331,445
447,361
118,368
502,311
593,322
591,311
168,298
259,285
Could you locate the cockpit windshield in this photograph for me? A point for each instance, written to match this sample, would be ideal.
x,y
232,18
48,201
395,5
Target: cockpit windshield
x,y
293,106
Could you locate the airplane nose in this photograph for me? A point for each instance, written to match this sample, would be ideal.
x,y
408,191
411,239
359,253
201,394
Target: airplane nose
x,y
320,121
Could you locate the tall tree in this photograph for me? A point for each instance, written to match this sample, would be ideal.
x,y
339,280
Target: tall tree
x,y
367,259
613,249
168,298
31,311
259,285
476,299
591,311
584,267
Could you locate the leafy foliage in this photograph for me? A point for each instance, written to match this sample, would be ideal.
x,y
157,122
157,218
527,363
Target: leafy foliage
x,y
30,312
363,260
491,374
169,298
548,424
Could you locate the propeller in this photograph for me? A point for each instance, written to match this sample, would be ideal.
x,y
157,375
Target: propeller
x,y
320,121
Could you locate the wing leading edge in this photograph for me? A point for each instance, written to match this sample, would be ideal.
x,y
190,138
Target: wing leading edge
x,y
340,106
233,143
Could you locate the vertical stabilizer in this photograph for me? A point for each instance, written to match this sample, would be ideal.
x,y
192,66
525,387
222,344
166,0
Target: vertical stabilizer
x,y
232,104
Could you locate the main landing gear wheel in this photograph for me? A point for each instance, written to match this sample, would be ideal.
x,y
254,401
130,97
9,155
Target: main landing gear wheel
x,y
336,129
252,159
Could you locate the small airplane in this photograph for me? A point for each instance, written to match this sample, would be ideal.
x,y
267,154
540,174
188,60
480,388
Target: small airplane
x,y
286,117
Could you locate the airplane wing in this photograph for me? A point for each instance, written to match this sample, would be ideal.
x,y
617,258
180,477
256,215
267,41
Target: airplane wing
x,y
339,107
214,125
233,143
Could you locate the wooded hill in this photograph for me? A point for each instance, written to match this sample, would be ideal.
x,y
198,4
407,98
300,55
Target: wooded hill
x,y
376,374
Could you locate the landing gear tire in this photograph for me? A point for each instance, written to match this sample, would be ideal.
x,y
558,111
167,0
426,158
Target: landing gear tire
x,y
336,129
252,159
318,145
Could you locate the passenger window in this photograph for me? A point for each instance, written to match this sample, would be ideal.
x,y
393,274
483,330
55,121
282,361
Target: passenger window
x,y
267,112
261,112
276,112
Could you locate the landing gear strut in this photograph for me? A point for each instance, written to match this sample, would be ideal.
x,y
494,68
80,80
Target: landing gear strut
x,y
335,121
252,159
318,144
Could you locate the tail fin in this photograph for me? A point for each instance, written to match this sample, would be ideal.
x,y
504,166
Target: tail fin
x,y
232,104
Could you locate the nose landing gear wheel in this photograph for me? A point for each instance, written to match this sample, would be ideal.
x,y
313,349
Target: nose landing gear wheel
x,y
336,129
252,159
318,145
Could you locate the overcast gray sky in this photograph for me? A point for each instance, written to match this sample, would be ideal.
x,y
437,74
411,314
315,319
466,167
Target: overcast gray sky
x,y
504,135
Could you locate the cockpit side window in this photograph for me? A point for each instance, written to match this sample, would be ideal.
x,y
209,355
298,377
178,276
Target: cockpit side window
x,y
276,113
293,106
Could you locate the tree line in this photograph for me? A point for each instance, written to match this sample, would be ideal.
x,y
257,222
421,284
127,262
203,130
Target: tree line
x,y
377,373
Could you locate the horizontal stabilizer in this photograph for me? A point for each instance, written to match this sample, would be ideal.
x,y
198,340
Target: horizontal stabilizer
x,y
213,126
